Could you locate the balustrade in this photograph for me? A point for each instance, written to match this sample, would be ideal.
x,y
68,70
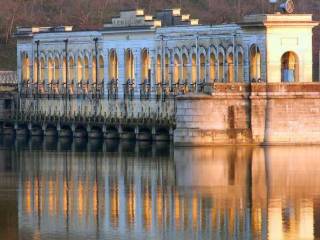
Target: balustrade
x,y
85,89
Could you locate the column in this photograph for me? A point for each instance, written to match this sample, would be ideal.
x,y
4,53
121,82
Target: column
x,y
19,70
46,74
216,64
31,61
246,67
106,71
90,74
61,73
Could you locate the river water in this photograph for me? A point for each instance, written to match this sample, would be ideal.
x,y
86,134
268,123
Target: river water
x,y
82,189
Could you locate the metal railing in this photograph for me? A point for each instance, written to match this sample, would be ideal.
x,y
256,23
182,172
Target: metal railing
x,y
8,77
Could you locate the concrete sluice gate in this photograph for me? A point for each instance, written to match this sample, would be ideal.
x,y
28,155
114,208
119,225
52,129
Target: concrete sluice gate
x,y
83,132
91,130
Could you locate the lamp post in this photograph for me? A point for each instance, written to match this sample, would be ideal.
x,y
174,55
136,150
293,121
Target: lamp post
x,y
38,74
66,66
96,50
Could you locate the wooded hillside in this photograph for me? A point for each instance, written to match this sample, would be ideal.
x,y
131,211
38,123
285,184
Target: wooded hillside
x,y
88,14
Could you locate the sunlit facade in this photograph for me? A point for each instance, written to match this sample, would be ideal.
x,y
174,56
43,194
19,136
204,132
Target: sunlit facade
x,y
138,54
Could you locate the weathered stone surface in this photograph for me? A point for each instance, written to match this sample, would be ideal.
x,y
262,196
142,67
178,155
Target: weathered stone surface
x,y
281,118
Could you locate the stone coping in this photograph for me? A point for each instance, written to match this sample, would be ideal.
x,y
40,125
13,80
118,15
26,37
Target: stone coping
x,y
253,95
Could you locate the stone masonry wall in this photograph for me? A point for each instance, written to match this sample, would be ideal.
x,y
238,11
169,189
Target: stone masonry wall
x,y
255,114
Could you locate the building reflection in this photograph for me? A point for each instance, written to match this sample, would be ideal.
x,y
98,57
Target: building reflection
x,y
212,193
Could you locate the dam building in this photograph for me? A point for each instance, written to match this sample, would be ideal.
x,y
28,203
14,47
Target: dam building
x,y
132,77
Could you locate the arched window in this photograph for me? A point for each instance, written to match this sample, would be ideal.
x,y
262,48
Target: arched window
x,y
86,69
240,67
212,67
158,69
176,68
289,67
221,67
101,69
194,68
202,67
64,71
230,67
255,61
35,70
167,65
145,71
71,69
94,69
25,68
56,70
185,67
129,65
113,65
50,70
80,70
42,70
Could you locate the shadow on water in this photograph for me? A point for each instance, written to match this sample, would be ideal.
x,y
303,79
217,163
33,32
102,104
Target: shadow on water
x,y
140,190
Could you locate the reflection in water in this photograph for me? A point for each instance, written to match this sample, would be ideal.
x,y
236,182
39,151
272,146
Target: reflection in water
x,y
110,189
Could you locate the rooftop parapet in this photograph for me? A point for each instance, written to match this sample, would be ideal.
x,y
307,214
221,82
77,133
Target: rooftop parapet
x,y
29,31
132,18
278,19
138,18
174,17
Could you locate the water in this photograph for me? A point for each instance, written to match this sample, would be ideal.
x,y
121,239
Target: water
x,y
126,190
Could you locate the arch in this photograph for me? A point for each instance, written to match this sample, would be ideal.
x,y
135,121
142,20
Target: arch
x,y
289,67
158,70
129,65
212,63
113,66
176,67
194,68
203,67
230,67
145,70
25,67
255,63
